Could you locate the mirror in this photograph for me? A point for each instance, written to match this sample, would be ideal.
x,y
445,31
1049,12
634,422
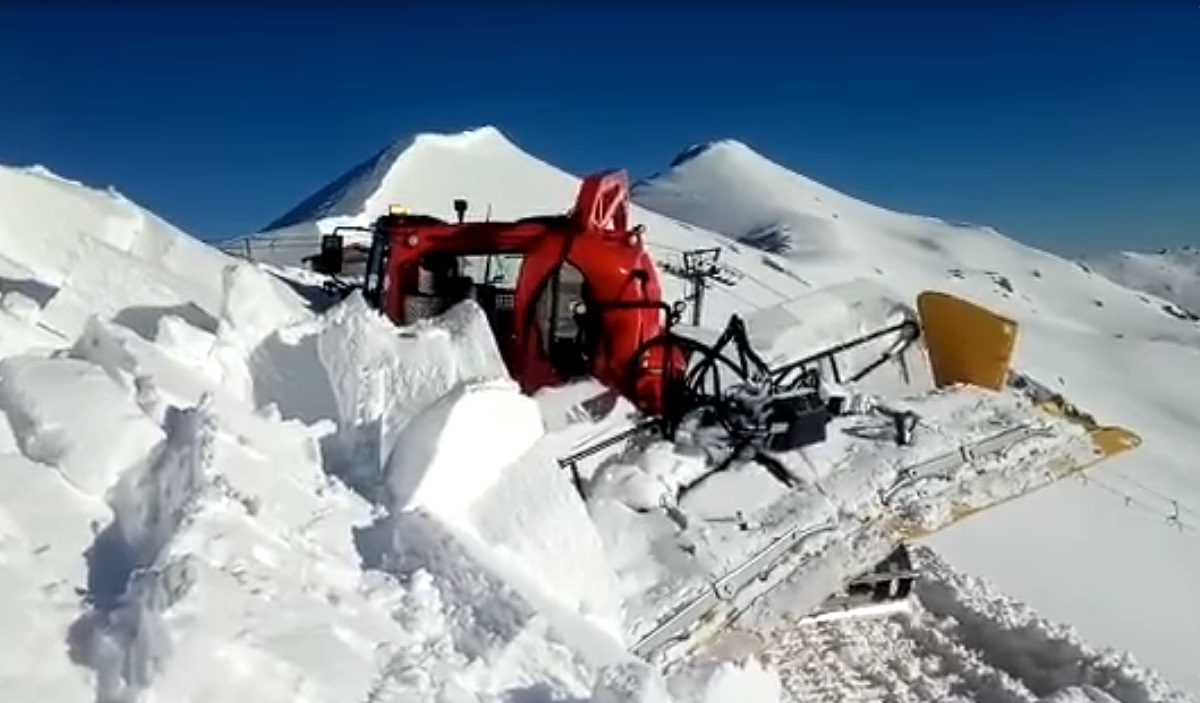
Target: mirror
x,y
330,260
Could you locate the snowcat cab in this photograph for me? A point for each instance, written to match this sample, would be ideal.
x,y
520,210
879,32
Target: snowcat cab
x,y
566,295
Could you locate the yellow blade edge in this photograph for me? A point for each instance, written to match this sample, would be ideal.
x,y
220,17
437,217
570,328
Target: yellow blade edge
x,y
970,344
1106,442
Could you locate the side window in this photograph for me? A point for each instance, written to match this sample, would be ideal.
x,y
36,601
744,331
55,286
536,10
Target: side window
x,y
556,305
375,281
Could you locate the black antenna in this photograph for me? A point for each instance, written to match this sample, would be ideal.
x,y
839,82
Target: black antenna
x,y
460,208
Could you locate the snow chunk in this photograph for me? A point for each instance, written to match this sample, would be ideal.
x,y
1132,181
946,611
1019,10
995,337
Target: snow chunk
x,y
725,682
630,682
20,306
535,522
185,341
253,307
70,414
381,376
450,454
467,460
44,528
653,482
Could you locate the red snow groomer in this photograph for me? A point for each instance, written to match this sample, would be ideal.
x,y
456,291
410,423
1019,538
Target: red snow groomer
x,y
578,295
566,295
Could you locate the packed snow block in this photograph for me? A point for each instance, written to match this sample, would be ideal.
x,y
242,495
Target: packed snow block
x,y
108,347
288,376
72,415
183,340
108,283
49,245
811,323
254,307
382,376
532,512
44,522
453,452
470,461
23,332
109,254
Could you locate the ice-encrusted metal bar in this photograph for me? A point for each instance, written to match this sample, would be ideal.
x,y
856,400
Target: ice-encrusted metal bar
x,y
942,466
678,625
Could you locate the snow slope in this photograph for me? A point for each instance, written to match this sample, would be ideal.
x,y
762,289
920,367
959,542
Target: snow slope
x,y
1170,274
212,493
175,428
1054,548
1105,553
162,527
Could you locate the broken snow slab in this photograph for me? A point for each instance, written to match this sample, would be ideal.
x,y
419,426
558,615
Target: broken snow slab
x,y
474,464
71,415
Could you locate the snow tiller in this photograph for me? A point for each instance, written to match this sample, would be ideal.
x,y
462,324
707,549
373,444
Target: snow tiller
x,y
800,446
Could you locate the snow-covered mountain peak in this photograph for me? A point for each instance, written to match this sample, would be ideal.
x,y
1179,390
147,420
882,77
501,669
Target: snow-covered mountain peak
x,y
722,164
500,181
1172,274
727,187
487,134
709,148
366,190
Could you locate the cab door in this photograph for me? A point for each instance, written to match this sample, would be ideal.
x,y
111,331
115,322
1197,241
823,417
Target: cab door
x,y
555,329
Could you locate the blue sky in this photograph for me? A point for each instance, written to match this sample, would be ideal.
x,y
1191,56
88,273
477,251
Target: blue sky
x,y
1073,126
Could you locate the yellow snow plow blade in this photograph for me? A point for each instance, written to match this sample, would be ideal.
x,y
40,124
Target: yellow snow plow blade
x,y
970,345
966,343
1107,439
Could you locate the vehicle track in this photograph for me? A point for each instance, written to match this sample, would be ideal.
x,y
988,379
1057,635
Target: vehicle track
x,y
958,641
900,658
